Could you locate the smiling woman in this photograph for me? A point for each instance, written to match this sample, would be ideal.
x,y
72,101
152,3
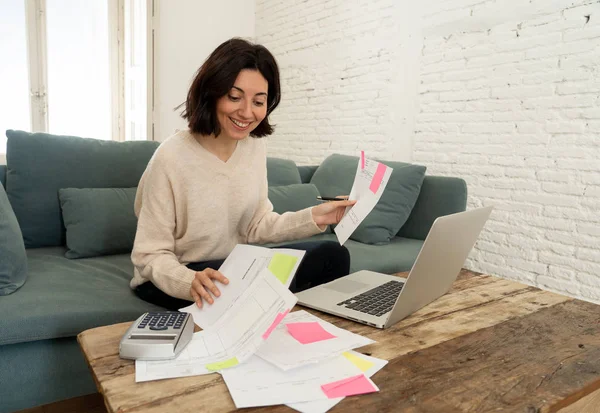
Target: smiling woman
x,y
205,188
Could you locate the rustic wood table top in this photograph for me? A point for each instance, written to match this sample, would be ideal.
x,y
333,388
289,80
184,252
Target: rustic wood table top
x,y
488,345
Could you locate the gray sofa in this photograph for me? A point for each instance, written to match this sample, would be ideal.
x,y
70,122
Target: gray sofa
x,y
40,361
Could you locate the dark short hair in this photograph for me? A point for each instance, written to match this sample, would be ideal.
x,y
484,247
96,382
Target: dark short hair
x,y
215,78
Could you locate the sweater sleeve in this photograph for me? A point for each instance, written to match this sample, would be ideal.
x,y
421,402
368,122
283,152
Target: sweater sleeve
x,y
268,226
153,252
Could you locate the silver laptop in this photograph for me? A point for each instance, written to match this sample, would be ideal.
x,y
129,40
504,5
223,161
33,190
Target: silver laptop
x,y
381,300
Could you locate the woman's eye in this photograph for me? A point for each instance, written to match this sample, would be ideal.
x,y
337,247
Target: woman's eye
x,y
259,103
234,98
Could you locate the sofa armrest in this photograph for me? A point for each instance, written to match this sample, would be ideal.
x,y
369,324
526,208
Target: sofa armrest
x,y
306,172
439,196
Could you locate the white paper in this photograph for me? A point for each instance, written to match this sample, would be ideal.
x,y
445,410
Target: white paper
x,y
285,352
365,198
321,406
241,267
258,383
238,333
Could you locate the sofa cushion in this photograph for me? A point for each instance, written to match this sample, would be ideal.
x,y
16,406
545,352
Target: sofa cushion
x,y
439,196
335,176
293,197
64,297
396,256
40,164
99,221
282,172
3,175
13,260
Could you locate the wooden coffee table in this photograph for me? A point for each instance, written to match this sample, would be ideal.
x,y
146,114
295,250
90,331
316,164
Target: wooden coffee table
x,y
488,345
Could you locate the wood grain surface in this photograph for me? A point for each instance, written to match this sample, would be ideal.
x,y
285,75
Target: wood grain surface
x,y
488,345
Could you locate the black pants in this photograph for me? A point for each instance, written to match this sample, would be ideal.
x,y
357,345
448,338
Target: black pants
x,y
324,261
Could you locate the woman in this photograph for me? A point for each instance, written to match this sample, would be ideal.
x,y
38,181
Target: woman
x,y
205,189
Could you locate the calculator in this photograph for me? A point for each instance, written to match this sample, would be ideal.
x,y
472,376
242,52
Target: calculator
x,y
158,335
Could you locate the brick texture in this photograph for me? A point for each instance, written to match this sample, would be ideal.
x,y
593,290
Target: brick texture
x,y
342,89
503,94
512,108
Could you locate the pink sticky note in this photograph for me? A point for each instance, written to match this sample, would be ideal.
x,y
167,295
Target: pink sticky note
x,y
307,333
362,159
349,387
276,322
377,178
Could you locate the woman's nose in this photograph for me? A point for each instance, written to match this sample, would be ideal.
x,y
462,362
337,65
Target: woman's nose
x,y
246,110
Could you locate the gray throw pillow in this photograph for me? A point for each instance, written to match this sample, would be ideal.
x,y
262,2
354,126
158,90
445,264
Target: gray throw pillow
x,y
99,221
335,176
13,258
39,164
282,172
293,197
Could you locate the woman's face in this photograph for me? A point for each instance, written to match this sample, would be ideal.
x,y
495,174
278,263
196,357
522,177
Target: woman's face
x,y
245,106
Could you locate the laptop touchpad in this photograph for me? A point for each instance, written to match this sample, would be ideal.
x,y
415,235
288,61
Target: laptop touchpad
x,y
345,286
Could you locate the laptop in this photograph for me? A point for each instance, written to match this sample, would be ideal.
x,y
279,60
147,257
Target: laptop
x,y
381,300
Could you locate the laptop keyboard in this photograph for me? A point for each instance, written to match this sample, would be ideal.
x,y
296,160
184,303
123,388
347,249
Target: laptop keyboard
x,y
377,301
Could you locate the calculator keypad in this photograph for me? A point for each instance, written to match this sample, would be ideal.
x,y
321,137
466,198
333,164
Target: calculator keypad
x,y
163,320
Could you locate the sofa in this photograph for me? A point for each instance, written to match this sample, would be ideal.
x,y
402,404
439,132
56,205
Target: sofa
x,y
40,361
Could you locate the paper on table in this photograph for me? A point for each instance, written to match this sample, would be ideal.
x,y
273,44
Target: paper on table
x,y
359,360
234,338
258,383
282,350
241,267
352,386
307,333
369,183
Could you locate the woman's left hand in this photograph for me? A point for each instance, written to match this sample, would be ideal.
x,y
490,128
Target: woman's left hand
x,y
330,212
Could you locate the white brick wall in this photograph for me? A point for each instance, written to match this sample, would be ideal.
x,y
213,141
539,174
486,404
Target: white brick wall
x,y
508,99
510,103
349,77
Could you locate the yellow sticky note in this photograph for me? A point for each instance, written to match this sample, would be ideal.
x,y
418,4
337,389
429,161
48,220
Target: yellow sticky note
x,y
220,365
362,364
282,265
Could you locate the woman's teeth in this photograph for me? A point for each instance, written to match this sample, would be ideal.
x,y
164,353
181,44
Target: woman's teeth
x,y
240,124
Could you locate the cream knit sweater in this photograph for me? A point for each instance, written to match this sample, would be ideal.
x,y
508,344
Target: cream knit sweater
x,y
193,207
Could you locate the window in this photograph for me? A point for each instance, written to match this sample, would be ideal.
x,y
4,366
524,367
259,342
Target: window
x,y
79,86
76,68
14,83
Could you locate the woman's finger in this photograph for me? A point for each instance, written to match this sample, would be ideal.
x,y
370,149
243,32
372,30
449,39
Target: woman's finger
x,y
208,284
196,298
216,275
204,294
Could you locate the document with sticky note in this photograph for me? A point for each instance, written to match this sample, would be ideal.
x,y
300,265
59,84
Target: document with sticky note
x,y
366,364
369,183
234,338
259,383
286,351
241,267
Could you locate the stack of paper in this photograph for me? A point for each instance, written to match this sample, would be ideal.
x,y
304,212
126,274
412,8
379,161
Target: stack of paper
x,y
233,338
307,363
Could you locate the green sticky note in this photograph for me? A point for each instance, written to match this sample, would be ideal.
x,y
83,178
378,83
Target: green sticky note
x,y
220,365
282,265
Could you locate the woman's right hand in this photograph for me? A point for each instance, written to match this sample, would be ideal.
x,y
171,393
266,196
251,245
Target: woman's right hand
x,y
203,287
